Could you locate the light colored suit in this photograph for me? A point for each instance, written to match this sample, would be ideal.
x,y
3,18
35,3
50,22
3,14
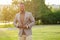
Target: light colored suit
x,y
28,20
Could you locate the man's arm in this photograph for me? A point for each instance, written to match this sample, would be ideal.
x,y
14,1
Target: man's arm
x,y
16,24
15,21
32,21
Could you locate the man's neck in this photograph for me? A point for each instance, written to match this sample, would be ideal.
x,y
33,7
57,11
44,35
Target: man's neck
x,y
22,12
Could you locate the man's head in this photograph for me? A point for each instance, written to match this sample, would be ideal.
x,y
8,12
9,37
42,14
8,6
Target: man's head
x,y
22,6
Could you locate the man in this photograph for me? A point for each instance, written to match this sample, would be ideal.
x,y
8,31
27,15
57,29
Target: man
x,y
24,21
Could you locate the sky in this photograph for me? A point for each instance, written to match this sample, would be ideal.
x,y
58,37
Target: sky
x,y
50,2
5,2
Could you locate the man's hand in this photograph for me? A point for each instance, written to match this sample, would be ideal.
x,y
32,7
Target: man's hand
x,y
25,27
20,26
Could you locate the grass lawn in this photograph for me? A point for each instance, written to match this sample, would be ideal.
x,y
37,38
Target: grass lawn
x,y
41,32
7,26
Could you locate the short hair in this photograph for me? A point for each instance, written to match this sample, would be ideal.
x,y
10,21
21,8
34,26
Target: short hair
x,y
22,3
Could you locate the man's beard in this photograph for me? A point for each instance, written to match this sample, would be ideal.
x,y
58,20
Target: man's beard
x,y
23,10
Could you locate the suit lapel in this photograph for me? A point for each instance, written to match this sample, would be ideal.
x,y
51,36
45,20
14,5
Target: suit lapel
x,y
25,17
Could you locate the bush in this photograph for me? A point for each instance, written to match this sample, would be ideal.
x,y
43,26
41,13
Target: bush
x,y
38,22
52,18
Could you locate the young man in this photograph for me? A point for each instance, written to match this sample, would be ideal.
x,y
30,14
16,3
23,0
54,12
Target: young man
x,y
24,21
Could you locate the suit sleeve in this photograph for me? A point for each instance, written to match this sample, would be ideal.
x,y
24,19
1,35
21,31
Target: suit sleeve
x,y
32,21
15,21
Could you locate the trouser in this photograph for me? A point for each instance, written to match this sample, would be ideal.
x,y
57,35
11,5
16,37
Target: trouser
x,y
24,37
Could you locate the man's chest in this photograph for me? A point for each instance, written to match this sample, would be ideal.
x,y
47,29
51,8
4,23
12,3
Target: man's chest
x,y
22,17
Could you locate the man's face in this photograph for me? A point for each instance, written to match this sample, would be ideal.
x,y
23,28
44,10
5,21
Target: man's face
x,y
22,7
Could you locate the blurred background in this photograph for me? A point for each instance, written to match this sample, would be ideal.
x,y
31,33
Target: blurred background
x,y
45,12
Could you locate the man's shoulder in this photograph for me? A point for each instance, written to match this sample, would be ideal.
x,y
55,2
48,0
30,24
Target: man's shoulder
x,y
17,14
29,13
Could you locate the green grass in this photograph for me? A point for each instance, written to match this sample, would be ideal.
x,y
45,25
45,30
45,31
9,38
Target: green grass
x,y
42,32
7,26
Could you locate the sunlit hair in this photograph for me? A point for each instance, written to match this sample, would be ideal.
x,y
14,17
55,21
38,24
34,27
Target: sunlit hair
x,y
21,3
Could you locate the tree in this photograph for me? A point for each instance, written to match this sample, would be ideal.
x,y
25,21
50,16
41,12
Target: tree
x,y
40,9
9,12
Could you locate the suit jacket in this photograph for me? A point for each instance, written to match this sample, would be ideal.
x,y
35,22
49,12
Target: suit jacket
x,y
28,20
